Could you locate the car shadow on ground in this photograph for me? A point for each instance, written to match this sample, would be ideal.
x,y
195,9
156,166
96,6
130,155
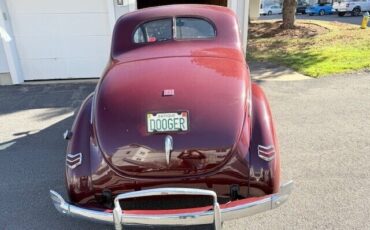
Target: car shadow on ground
x,y
32,156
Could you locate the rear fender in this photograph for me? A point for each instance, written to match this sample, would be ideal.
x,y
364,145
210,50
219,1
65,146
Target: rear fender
x,y
78,177
264,150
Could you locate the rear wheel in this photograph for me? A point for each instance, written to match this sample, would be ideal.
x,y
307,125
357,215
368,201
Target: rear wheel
x,y
269,13
356,11
341,14
321,12
311,14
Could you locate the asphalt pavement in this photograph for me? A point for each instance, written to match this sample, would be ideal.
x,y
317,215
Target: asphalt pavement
x,y
323,126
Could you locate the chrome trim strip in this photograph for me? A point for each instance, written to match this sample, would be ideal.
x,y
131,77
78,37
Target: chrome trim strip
x,y
71,160
266,153
67,135
168,147
193,218
92,105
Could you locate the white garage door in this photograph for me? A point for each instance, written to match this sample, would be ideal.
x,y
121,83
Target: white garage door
x,y
61,39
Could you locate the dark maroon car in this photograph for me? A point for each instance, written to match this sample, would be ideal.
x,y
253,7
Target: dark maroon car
x,y
175,119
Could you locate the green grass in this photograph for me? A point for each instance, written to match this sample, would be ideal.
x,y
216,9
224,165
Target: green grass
x,y
340,48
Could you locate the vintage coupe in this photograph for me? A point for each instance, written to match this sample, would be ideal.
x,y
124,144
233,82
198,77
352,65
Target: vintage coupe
x,y
175,121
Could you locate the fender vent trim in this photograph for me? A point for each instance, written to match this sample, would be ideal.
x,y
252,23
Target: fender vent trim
x,y
266,153
73,160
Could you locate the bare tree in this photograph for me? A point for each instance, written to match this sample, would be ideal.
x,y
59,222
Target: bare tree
x,y
289,8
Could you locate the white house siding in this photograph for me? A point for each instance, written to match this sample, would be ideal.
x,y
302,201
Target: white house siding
x,y
254,9
126,7
271,2
61,39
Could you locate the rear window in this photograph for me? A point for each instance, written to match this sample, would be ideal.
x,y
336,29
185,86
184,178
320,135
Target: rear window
x,y
194,28
154,31
163,30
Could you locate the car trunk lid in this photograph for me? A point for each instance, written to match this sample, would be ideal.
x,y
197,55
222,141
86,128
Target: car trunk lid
x,y
211,90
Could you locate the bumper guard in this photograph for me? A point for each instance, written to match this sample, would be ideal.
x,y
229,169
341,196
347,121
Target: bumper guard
x,y
215,214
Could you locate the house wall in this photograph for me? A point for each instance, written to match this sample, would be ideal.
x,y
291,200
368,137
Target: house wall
x,y
312,2
124,8
254,9
271,2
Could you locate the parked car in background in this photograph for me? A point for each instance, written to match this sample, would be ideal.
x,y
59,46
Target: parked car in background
x,y
271,9
301,7
354,7
319,9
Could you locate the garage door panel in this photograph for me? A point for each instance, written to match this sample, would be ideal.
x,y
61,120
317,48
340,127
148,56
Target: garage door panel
x,y
57,6
85,47
92,24
64,68
61,24
37,47
40,47
91,68
34,24
61,39
42,69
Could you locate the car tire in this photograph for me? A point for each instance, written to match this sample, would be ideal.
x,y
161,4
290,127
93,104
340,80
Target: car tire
x,y
356,11
311,14
341,14
321,12
269,13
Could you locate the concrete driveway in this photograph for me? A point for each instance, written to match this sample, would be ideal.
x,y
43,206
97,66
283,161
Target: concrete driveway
x,y
332,18
324,131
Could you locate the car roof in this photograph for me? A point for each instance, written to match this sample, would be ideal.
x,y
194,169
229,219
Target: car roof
x,y
223,18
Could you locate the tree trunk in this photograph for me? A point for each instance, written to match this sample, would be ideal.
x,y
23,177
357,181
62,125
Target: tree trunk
x,y
289,8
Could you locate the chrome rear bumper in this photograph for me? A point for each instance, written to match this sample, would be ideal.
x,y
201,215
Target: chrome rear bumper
x,y
215,214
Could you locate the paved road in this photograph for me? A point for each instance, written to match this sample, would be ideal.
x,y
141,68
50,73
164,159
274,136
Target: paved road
x,y
346,19
324,131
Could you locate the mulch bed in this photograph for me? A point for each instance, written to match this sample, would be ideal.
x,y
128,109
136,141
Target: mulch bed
x,y
273,29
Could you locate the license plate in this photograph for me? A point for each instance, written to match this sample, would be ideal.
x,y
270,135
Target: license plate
x,y
167,122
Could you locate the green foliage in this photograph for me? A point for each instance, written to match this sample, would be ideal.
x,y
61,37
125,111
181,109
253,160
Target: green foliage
x,y
342,48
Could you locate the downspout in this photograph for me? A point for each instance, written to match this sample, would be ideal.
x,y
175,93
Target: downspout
x,y
7,38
